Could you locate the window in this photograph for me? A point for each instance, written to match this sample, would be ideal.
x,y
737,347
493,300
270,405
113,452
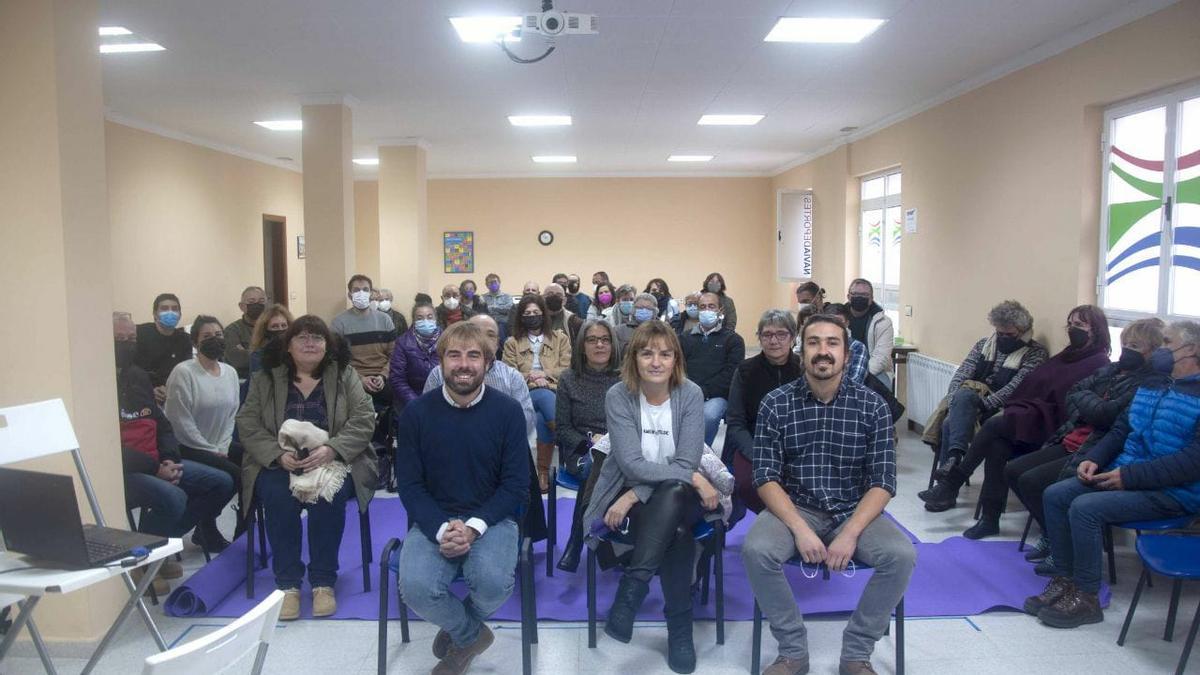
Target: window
x,y
1150,222
880,232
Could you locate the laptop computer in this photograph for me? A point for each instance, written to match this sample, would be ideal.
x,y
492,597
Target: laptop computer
x,y
39,517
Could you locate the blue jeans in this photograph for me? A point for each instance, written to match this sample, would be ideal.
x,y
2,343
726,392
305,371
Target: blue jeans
x,y
326,522
172,510
714,412
488,568
958,430
1075,518
543,405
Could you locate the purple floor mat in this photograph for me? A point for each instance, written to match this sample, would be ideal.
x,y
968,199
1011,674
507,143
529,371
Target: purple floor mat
x,y
956,577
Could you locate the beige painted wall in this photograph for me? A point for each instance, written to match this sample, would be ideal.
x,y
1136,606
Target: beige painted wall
x,y
188,220
1006,182
635,229
366,229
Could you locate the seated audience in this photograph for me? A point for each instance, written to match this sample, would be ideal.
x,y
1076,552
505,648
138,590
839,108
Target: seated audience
x,y
651,489
870,325
239,332
856,367
1036,408
162,343
499,304
270,326
581,421
451,310
202,400
810,294
173,494
602,302
569,302
371,336
531,288
1146,468
540,356
582,300
459,526
387,305
713,352
985,380
558,317
622,309
471,299
307,384
688,319
825,466
755,377
666,308
414,356
600,277
645,308
715,283
1093,406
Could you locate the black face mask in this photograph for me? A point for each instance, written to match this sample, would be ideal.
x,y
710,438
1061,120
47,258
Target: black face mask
x,y
1007,344
275,334
859,304
1131,359
254,310
554,303
532,322
213,347
126,353
1079,337
573,287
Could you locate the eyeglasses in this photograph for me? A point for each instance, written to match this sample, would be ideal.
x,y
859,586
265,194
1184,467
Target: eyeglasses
x,y
781,336
593,340
310,339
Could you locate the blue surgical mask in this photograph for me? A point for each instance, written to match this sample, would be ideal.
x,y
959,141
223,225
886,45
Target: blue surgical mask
x,y
425,327
692,311
1162,360
168,319
708,318
626,306
642,314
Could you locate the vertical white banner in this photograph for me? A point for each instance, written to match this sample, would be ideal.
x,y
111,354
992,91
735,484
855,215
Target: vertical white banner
x,y
794,234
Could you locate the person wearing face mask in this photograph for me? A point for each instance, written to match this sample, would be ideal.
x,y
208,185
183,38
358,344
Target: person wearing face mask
x,y
371,336
667,307
561,280
162,343
558,315
621,311
810,295
1035,410
713,351
583,301
451,311
540,355
689,317
202,401
238,332
715,283
270,326
1093,406
645,308
387,305
414,356
1146,468
470,297
870,325
602,302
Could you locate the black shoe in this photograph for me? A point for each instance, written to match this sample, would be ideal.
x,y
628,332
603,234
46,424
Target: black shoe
x,y
1057,587
1039,551
209,538
569,562
1075,608
1046,568
953,459
626,603
923,495
681,651
986,527
941,497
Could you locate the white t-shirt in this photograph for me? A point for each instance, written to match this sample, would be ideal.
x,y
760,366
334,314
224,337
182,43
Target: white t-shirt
x,y
658,438
535,346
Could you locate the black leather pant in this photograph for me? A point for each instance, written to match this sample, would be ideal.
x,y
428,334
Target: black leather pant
x,y
661,530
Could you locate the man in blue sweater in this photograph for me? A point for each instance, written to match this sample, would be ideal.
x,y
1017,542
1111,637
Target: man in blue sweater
x,y
462,471
1146,468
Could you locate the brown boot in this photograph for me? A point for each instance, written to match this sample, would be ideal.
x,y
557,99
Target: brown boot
x,y
545,454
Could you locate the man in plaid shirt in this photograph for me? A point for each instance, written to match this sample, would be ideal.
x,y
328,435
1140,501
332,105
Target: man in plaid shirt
x,y
825,466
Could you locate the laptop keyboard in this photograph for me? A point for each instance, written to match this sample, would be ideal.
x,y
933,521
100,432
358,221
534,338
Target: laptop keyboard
x,y
99,550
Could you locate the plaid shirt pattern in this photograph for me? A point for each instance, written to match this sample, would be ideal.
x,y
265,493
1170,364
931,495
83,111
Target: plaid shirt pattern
x,y
311,409
825,455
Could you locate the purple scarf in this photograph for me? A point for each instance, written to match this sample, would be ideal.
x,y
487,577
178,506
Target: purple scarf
x,y
1038,405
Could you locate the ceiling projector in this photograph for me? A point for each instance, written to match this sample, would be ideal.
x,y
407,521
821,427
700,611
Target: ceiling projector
x,y
552,23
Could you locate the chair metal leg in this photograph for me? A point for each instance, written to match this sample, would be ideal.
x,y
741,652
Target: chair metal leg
x,y
364,537
705,568
1112,554
719,566
528,608
756,640
900,637
1137,594
1176,588
1025,533
978,508
591,597
381,646
262,536
552,521
1187,646
932,471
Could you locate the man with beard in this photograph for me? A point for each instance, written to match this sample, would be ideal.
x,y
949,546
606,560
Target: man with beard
x,y
825,466
462,471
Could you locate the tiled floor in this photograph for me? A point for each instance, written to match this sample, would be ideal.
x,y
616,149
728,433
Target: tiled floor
x,y
1005,643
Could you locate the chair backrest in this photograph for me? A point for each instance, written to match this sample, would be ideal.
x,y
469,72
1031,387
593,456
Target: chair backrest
x,y
35,430
213,652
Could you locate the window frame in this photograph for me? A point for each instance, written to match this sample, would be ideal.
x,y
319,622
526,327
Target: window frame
x,y
882,204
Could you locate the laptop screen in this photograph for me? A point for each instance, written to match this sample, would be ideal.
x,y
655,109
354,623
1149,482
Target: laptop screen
x,y
39,516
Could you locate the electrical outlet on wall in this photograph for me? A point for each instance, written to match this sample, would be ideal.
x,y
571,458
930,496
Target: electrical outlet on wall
x,y
908,310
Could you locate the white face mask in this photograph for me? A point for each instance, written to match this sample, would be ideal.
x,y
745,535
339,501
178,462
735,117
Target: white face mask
x,y
360,299
385,306
451,303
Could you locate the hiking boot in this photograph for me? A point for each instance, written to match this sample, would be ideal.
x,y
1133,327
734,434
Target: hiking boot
x,y
785,666
1057,587
626,603
855,668
441,644
953,459
1040,550
324,602
458,659
1046,568
944,494
291,605
1075,608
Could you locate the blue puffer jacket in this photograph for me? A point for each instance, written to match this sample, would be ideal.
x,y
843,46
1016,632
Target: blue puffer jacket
x,y
1156,443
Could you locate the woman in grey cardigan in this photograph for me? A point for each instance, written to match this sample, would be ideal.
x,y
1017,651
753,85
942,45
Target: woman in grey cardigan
x,y
651,489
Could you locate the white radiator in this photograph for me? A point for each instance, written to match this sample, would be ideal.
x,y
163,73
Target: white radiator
x,y
928,379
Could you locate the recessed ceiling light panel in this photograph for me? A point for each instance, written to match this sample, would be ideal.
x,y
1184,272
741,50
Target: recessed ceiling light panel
x,y
540,120
367,161
554,159
690,158
487,28
131,47
822,30
281,125
731,120
106,31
